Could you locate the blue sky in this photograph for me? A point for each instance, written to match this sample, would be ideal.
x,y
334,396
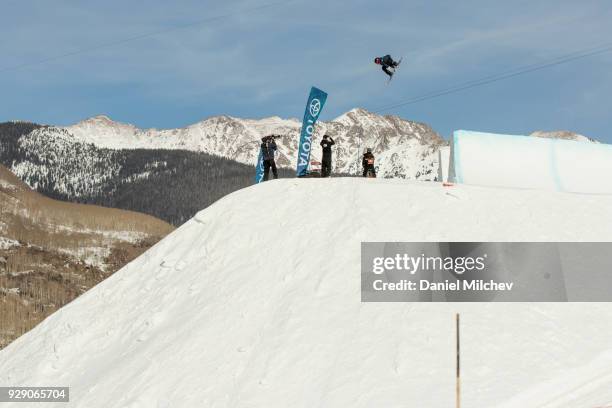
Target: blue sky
x,y
262,63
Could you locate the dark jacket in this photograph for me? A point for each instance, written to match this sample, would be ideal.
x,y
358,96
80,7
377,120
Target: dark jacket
x,y
268,147
368,160
387,61
327,150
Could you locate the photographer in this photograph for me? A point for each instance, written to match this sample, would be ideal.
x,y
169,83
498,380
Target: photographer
x,y
326,163
268,150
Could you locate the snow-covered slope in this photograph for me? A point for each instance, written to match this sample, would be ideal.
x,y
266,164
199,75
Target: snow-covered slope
x,y
255,302
51,153
404,148
52,251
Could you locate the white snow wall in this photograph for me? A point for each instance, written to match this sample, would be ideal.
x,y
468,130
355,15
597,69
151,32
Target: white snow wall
x,y
443,163
489,159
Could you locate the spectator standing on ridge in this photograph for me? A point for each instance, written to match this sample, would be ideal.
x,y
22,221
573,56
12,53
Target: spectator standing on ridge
x,y
368,164
326,163
268,149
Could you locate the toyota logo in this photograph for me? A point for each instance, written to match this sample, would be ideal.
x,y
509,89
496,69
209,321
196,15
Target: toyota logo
x,y
315,107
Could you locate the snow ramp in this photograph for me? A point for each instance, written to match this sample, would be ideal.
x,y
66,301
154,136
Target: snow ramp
x,y
255,302
488,159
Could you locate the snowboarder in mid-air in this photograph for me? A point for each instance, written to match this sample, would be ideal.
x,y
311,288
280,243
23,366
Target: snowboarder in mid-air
x,y
268,148
388,64
326,143
368,164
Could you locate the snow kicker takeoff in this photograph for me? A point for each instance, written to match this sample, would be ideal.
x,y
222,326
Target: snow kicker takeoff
x,y
388,64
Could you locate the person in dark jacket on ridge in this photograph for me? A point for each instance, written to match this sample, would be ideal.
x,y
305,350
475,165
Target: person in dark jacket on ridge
x,y
368,163
326,163
268,149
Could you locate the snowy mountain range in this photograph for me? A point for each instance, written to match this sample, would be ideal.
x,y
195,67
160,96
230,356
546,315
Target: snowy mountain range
x,y
169,184
403,148
173,173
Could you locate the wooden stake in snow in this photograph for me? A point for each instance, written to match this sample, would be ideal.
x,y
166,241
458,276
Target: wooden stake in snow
x,y
458,385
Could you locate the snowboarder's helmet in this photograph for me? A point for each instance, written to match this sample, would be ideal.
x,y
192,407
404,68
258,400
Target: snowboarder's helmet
x,y
377,60
369,150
